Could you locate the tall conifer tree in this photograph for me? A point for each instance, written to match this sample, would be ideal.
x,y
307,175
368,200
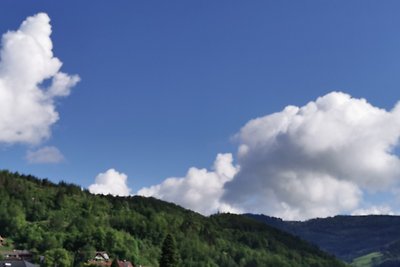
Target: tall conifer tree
x,y
169,256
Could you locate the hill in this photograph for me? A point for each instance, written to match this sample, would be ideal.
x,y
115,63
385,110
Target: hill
x,y
67,224
367,240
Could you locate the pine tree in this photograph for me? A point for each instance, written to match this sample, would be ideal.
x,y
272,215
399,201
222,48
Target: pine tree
x,y
169,256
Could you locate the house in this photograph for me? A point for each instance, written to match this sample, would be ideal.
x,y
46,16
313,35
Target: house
x,y
2,241
17,255
101,258
16,263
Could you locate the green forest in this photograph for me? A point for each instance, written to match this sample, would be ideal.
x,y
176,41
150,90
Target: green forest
x,y
67,224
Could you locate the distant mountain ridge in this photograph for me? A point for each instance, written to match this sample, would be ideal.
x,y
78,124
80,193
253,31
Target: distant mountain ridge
x,y
347,237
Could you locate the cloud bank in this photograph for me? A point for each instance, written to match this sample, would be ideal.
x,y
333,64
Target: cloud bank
x,y
27,107
200,190
47,154
315,160
374,210
110,182
301,162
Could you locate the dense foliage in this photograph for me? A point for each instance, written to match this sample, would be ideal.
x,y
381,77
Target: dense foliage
x,y
67,224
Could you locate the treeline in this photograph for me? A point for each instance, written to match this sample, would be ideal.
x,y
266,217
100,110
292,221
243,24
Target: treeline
x,y
67,225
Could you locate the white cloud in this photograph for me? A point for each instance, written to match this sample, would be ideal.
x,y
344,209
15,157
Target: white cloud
x,y
200,190
317,159
300,163
27,109
111,183
374,210
47,154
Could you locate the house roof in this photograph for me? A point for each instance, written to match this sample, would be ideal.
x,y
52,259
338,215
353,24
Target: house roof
x,y
102,254
9,263
16,251
16,254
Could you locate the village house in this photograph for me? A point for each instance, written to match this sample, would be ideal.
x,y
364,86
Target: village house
x,y
16,263
101,258
17,255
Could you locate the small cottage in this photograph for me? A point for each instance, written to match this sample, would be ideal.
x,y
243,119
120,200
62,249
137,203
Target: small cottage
x,y
16,263
17,255
101,256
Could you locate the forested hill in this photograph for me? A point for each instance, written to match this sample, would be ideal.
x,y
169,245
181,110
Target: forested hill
x,y
44,217
349,237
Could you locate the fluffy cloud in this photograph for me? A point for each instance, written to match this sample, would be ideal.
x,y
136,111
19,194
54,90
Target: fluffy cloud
x,y
110,183
300,163
374,210
27,108
200,189
315,160
47,154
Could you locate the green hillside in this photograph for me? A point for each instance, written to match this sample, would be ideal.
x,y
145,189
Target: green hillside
x,y
68,223
364,241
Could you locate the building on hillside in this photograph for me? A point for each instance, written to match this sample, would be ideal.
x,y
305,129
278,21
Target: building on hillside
x,y
101,258
16,263
17,255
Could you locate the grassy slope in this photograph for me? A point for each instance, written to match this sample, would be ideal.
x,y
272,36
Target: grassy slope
x,y
389,256
369,260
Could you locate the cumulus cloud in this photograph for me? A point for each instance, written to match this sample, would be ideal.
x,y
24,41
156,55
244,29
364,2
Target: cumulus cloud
x,y
200,190
47,154
374,210
111,182
302,162
315,160
27,107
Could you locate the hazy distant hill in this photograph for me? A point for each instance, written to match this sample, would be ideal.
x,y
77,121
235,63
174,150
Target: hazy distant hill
x,y
63,220
349,237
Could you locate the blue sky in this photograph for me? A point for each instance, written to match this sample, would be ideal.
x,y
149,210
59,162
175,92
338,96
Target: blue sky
x,y
165,85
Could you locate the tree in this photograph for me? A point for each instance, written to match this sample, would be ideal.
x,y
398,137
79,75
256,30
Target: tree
x,y
57,257
85,253
169,256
